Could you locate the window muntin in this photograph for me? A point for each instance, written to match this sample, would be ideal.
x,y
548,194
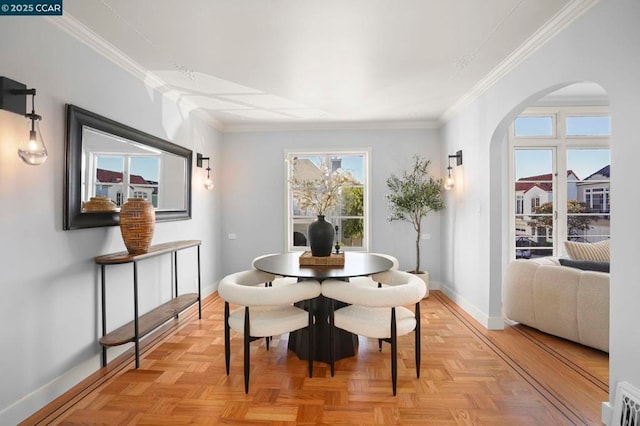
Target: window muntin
x,y
351,213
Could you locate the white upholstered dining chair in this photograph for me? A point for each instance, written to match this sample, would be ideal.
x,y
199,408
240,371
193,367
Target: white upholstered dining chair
x,y
378,312
264,311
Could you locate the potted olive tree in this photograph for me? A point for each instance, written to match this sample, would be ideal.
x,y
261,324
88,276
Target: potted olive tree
x,y
414,195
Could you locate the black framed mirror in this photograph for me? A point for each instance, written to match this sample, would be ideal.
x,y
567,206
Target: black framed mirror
x,y
109,162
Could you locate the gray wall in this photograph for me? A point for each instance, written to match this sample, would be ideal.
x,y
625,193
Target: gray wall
x,y
253,187
49,306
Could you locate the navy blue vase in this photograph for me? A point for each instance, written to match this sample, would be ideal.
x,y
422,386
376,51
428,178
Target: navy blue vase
x,y
321,235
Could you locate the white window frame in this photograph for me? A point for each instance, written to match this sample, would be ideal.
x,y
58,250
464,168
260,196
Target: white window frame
x,y
559,143
366,173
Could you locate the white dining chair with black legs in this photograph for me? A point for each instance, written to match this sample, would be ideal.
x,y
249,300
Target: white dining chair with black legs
x,y
264,311
367,281
278,280
378,312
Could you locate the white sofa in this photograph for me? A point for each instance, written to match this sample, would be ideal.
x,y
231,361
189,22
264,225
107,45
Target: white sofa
x,y
559,300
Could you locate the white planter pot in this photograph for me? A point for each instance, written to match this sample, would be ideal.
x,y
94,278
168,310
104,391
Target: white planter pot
x,y
425,278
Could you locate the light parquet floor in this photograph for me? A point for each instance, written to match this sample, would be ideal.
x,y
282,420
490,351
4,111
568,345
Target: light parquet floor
x,y
469,376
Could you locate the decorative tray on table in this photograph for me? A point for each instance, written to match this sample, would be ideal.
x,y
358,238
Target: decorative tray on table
x,y
307,259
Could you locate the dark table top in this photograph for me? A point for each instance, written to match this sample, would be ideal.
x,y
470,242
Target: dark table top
x,y
355,265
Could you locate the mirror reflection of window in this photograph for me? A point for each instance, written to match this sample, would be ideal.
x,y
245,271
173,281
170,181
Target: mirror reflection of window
x,y
143,178
121,177
108,177
120,169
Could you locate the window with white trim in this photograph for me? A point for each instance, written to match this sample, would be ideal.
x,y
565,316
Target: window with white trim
x,y
559,172
535,203
351,214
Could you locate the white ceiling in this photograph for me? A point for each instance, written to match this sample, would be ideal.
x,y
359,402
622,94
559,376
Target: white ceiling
x,y
278,63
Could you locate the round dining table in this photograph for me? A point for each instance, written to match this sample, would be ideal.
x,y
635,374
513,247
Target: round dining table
x,y
356,264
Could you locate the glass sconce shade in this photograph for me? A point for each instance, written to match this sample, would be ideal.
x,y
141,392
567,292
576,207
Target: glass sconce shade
x,y
208,182
449,182
32,150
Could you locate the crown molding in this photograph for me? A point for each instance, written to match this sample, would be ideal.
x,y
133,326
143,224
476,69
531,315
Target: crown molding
x,y
346,125
80,32
554,26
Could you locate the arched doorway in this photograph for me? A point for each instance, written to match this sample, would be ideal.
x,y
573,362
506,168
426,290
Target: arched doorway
x,y
502,207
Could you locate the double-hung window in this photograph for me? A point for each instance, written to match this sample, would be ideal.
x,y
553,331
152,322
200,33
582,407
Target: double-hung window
x,y
351,213
560,172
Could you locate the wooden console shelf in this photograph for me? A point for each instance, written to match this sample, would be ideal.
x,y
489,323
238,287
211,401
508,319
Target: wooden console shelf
x,y
144,324
149,321
155,250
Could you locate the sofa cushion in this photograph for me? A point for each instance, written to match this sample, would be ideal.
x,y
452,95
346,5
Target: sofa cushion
x,y
593,310
598,252
555,290
564,301
586,265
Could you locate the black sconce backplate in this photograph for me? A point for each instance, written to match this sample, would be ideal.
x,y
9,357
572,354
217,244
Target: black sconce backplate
x,y
10,101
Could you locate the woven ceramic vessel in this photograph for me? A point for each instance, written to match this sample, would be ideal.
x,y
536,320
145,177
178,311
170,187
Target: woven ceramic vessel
x,y
137,222
99,204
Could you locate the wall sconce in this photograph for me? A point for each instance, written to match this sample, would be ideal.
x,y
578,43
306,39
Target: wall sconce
x,y
449,182
208,183
13,97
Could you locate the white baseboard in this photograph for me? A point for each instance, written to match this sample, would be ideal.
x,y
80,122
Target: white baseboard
x,y
434,285
29,404
607,413
490,323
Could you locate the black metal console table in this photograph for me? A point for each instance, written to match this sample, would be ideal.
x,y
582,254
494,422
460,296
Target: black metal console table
x,y
144,324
